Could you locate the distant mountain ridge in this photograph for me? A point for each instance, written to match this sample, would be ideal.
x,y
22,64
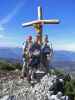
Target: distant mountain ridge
x,y
16,53
11,53
64,55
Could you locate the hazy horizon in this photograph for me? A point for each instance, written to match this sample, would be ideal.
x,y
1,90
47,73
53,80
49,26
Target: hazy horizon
x,y
54,49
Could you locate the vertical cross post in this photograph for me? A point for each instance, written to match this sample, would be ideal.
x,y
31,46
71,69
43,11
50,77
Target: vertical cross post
x,y
40,13
40,17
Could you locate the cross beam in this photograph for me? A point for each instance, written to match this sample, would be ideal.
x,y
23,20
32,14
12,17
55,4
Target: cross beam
x,y
41,21
52,21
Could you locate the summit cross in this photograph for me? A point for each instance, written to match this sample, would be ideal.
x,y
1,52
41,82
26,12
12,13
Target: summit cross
x,y
40,21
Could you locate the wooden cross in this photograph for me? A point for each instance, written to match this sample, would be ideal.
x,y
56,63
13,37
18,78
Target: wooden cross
x,y
40,21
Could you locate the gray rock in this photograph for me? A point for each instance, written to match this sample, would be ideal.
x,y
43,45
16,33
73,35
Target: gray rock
x,y
20,89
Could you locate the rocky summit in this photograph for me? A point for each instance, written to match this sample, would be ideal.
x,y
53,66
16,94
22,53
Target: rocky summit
x,y
21,89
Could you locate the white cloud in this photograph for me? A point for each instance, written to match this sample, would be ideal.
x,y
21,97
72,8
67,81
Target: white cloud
x,y
1,36
1,28
68,47
9,17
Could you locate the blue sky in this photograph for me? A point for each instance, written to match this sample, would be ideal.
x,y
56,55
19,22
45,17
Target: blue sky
x,y
14,12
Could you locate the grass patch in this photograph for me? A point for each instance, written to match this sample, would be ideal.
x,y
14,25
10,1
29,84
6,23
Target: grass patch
x,y
4,65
